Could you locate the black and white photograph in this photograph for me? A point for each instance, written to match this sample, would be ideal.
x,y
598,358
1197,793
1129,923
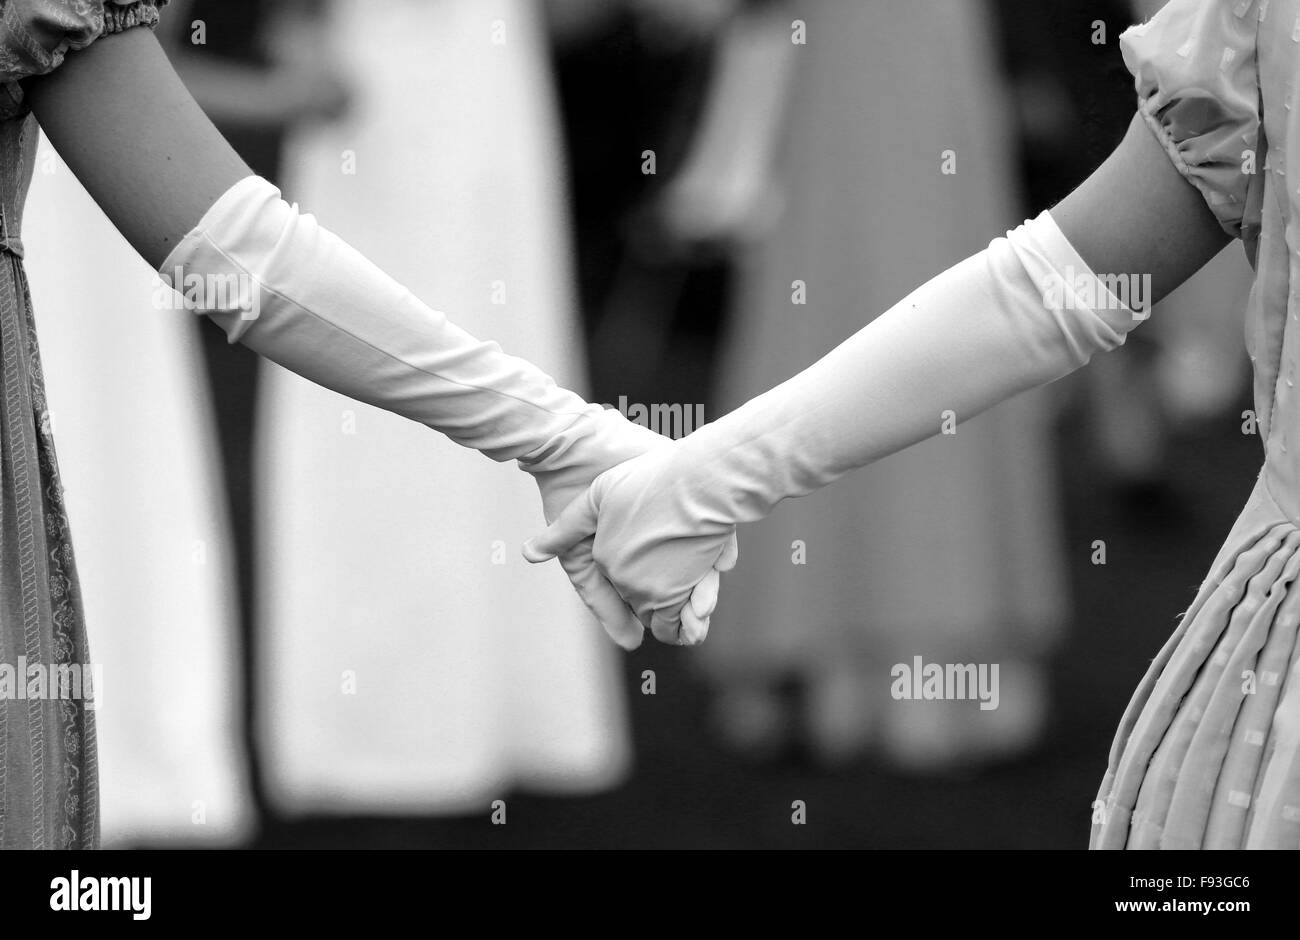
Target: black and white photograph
x,y
642,425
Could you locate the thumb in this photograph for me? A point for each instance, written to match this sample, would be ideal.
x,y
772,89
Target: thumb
x,y
576,522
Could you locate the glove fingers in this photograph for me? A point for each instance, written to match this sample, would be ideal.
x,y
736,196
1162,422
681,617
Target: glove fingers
x,y
577,521
730,552
619,622
601,598
666,625
704,597
694,627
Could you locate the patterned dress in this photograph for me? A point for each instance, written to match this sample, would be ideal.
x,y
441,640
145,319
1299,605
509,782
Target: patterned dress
x,y
1208,752
48,784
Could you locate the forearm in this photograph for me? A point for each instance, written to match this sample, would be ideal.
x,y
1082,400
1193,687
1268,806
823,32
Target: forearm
x,y
278,281
995,325
133,135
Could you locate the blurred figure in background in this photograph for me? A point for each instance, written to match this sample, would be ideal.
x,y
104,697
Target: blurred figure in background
x,y
951,550
491,675
125,381
631,76
138,463
259,69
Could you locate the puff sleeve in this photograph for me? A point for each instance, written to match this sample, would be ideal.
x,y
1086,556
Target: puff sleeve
x,y
1195,68
36,35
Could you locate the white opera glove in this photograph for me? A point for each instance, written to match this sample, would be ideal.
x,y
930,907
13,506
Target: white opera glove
x,y
277,281
1025,311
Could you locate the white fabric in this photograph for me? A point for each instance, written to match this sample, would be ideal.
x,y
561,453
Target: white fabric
x,y
316,306
1025,311
276,280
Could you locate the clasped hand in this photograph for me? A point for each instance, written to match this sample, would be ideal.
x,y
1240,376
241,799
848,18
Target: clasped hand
x,y
646,537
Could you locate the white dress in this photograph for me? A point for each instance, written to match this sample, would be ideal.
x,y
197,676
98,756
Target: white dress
x,y
130,406
414,662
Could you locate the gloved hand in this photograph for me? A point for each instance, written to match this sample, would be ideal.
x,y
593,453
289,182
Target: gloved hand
x,y
666,564
601,442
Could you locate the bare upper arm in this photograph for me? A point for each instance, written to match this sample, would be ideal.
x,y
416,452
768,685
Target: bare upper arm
x,y
1138,215
122,120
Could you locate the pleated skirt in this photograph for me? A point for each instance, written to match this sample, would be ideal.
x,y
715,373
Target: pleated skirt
x,y
1208,752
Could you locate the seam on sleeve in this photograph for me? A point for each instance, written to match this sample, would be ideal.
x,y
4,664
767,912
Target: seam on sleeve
x,y
311,314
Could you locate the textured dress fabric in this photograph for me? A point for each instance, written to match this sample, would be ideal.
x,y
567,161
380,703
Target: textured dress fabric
x,y
48,780
1208,752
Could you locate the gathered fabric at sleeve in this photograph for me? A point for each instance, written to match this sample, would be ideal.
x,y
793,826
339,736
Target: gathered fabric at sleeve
x,y
36,36
1196,70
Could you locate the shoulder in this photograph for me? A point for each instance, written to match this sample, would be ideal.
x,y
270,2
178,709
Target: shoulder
x,y
36,35
1196,70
